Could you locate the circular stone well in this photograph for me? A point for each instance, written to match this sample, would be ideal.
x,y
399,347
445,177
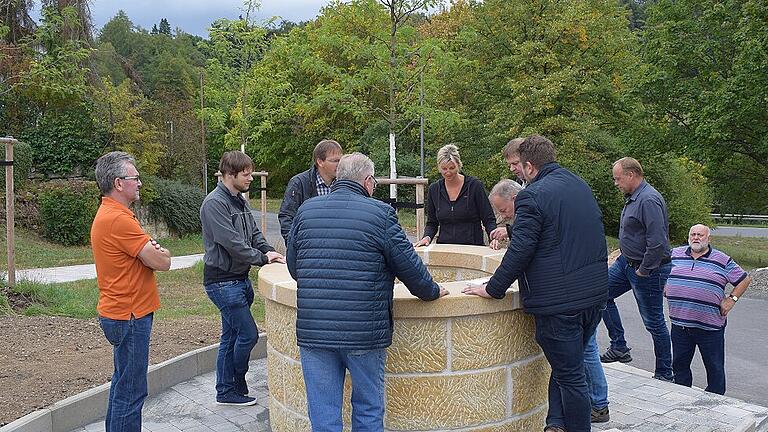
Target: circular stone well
x,y
460,363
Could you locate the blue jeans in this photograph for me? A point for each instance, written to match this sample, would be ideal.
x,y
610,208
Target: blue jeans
x,y
238,331
564,338
649,294
324,372
130,355
711,345
598,386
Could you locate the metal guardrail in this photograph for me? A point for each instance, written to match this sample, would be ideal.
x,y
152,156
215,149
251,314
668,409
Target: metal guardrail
x,y
733,216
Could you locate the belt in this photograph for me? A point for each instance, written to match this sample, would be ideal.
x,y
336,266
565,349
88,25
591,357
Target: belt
x,y
636,264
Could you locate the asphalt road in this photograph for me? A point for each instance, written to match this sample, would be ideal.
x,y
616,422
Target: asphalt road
x,y
740,231
746,346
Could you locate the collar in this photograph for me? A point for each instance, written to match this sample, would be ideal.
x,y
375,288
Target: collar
x,y
319,180
546,169
706,255
113,203
349,186
633,196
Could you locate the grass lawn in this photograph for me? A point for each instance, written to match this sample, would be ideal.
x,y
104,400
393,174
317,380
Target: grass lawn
x,y
748,252
273,204
34,251
181,295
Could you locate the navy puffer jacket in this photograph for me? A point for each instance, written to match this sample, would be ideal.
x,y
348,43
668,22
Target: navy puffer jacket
x,y
557,248
344,251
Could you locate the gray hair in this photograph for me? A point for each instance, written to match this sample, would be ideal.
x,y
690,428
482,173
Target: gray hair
x,y
506,189
449,153
111,166
354,166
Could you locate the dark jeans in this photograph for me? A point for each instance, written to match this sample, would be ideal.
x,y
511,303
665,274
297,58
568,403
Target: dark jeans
x,y
711,345
563,338
130,354
649,294
238,331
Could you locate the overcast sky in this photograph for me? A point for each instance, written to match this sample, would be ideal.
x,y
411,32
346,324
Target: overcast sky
x,y
194,16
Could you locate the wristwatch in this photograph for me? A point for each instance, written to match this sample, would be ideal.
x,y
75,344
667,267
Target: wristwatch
x,y
734,298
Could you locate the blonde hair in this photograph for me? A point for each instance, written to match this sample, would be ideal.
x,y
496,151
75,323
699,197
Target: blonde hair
x,y
449,153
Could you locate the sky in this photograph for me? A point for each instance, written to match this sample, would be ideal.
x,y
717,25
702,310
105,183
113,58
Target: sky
x,y
194,16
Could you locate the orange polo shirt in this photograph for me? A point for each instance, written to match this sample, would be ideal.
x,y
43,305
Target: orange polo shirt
x,y
126,285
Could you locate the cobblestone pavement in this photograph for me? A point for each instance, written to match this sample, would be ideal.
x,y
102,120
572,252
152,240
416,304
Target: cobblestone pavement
x,y
638,403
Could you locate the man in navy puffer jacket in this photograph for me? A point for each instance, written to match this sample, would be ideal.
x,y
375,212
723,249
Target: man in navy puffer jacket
x,y
344,251
557,254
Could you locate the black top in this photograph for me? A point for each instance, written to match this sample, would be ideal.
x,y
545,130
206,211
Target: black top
x,y
459,221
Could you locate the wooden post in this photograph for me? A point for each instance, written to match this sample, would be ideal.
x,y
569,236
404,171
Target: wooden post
x,y
264,202
420,184
419,211
9,208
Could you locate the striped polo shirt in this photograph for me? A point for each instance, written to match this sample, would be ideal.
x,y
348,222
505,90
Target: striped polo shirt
x,y
696,287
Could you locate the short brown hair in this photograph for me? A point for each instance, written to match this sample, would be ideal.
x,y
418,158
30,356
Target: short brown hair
x,y
323,148
512,148
630,164
537,150
234,162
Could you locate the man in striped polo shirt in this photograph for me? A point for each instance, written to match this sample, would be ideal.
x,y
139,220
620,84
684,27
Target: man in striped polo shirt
x,y
698,306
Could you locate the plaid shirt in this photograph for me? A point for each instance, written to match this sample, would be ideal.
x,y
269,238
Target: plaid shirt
x,y
322,188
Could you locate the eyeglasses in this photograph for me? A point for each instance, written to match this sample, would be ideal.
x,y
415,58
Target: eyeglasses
x,y
137,178
375,183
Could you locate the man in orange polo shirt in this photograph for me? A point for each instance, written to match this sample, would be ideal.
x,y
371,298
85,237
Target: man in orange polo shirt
x,y
126,258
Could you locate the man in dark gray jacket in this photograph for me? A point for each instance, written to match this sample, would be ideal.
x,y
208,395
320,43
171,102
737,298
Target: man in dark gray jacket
x,y
316,181
233,243
344,251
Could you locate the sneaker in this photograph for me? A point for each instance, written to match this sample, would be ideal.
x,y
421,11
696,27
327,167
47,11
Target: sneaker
x,y
613,355
235,399
600,415
241,387
553,428
663,378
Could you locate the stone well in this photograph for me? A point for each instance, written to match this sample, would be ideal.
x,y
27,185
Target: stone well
x,y
460,363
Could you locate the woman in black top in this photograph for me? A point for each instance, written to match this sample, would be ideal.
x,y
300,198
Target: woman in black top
x,y
456,204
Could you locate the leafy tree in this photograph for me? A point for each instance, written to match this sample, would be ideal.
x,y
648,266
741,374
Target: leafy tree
x,y
708,83
121,112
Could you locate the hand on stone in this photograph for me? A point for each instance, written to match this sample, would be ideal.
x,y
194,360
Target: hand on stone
x,y
477,290
273,256
499,233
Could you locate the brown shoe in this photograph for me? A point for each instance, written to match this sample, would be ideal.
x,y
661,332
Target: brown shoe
x,y
553,428
600,415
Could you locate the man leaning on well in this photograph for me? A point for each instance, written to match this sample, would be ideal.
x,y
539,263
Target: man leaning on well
x,y
643,266
344,251
126,258
557,254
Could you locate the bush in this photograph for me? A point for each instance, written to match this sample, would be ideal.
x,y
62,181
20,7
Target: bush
x,y
22,165
67,210
177,204
683,186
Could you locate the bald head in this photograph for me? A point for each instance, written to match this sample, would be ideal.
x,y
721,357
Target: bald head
x,y
698,238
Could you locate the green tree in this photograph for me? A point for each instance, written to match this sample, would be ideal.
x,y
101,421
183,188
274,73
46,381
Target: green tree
x,y
121,112
164,27
707,83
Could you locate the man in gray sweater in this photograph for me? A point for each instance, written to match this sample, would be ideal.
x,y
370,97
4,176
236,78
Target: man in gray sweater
x,y
233,243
